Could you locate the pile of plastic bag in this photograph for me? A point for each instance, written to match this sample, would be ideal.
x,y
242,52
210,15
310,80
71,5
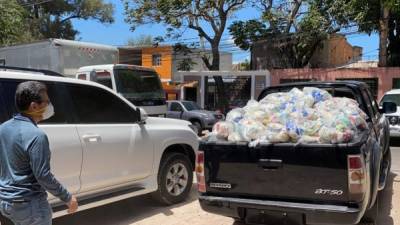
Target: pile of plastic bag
x,y
310,115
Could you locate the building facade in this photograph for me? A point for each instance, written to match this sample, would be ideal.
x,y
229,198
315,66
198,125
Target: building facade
x,y
333,52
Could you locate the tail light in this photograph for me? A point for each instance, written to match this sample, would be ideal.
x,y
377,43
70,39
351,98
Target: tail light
x,y
357,177
201,183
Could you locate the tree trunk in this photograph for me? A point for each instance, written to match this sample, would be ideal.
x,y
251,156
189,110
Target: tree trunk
x,y
383,35
222,99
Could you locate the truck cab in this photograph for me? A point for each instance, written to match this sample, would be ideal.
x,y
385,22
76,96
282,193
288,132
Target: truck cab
x,y
140,85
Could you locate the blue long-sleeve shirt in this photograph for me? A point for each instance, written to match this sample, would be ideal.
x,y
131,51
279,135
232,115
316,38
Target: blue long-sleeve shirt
x,y
25,162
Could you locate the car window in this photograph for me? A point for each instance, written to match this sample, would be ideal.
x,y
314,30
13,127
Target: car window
x,y
368,103
374,105
103,77
395,98
3,114
95,105
176,107
190,106
57,96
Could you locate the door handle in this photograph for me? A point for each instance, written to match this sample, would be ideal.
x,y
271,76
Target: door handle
x,y
270,164
91,138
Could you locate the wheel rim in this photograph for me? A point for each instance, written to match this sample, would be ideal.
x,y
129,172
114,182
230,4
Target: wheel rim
x,y
177,179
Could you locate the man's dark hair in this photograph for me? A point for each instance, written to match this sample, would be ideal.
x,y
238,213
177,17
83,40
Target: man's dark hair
x,y
28,92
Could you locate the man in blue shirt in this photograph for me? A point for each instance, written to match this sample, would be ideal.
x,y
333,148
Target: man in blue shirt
x,y
25,174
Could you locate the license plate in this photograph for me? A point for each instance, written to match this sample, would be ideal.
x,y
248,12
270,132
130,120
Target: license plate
x,y
258,216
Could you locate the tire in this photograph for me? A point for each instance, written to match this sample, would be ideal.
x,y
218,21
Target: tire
x,y
198,127
175,179
371,215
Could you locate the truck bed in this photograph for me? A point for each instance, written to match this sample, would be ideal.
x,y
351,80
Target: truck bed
x,y
285,171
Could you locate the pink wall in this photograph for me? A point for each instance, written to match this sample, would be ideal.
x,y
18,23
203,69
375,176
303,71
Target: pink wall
x,y
385,75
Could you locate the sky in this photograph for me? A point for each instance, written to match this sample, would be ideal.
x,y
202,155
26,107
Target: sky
x,y
119,32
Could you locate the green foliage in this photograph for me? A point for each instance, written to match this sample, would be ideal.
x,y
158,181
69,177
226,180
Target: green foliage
x,y
12,23
294,30
179,15
53,19
183,55
142,40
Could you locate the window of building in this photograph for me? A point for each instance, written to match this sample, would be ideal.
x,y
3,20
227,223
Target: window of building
x,y
156,59
2,62
396,83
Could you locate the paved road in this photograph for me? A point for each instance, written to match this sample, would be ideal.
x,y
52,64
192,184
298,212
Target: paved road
x,y
144,211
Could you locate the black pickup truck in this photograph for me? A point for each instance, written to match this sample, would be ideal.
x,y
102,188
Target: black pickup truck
x,y
290,183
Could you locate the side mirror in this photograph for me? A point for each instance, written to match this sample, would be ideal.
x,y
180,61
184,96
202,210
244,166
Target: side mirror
x,y
142,115
389,107
93,76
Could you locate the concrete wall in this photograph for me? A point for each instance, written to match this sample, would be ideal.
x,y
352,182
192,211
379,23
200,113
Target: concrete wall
x,y
385,75
195,56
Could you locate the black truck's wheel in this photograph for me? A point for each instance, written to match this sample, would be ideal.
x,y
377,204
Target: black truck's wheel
x,y
371,215
175,178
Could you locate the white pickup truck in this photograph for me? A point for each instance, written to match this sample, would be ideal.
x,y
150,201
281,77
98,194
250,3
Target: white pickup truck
x,y
104,149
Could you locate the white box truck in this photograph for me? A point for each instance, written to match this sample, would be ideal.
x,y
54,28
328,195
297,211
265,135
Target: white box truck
x,y
62,56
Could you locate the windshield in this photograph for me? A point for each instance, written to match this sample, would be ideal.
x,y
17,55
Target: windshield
x,y
138,83
391,98
191,106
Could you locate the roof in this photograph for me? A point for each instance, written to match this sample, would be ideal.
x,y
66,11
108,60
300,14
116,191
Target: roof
x,y
393,92
42,77
63,42
112,66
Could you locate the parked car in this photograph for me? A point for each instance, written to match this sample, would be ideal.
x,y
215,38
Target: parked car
x,y
394,118
105,149
300,183
140,85
190,111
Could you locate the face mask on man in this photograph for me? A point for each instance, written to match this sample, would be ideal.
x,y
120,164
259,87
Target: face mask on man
x,y
46,112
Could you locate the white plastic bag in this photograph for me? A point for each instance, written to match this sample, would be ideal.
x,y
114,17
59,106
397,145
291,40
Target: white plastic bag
x,y
222,129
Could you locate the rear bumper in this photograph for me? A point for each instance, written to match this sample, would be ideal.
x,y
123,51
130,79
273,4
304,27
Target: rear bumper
x,y
308,213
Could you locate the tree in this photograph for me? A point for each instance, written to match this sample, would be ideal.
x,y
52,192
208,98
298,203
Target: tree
x,y
381,16
142,40
293,33
52,19
12,23
183,55
196,15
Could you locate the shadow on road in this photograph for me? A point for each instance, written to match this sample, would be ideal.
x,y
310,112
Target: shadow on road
x,y
385,202
395,141
123,212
